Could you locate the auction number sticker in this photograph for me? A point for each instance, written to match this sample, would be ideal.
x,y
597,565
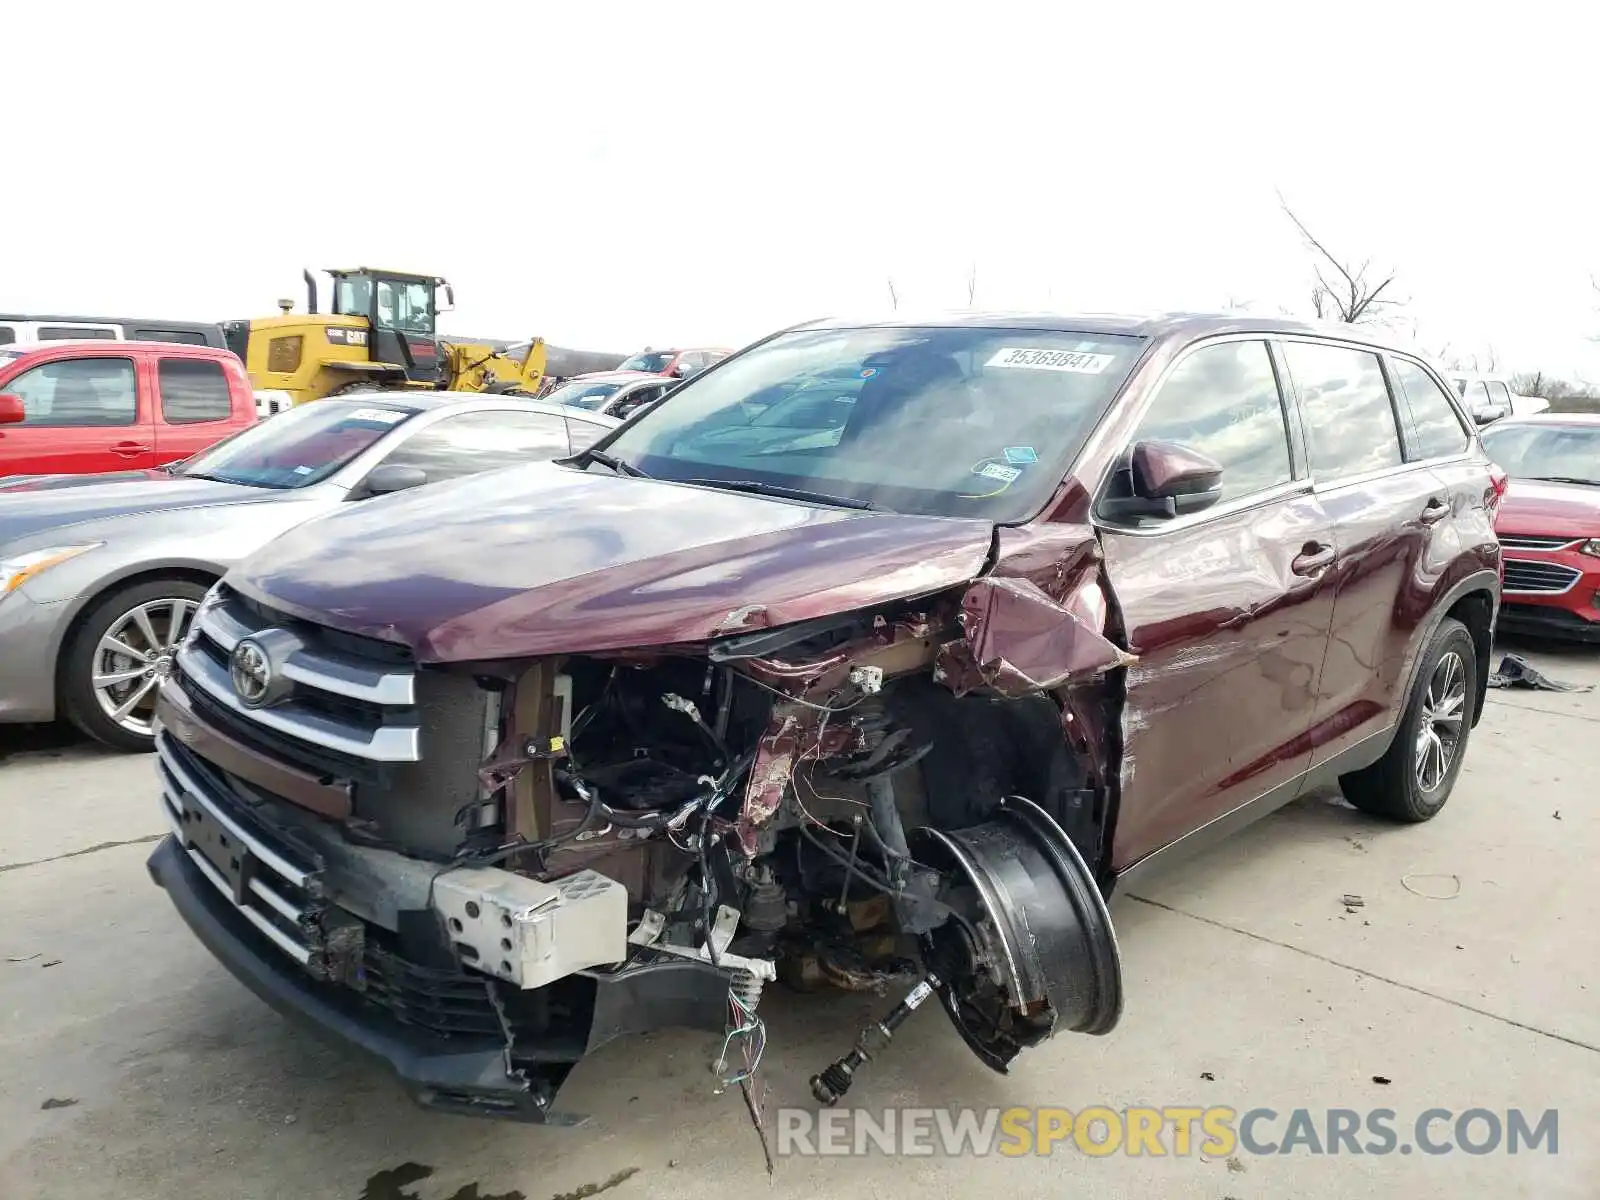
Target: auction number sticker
x,y
383,416
998,471
1030,358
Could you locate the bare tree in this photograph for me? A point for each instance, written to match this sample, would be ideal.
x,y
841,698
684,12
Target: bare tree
x,y
972,285
1542,384
1344,291
894,298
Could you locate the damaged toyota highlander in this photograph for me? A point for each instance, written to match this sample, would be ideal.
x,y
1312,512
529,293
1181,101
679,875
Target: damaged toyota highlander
x,y
872,658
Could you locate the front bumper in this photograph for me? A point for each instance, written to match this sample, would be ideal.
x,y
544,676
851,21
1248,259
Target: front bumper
x,y
29,635
275,912
1549,621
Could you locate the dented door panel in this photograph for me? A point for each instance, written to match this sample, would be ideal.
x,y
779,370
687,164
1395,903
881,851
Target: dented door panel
x,y
1230,642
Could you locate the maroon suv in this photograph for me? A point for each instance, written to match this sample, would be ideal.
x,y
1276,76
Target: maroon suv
x,y
876,653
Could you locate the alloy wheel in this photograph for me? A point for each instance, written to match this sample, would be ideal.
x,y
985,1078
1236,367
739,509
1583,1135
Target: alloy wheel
x,y
1439,731
134,656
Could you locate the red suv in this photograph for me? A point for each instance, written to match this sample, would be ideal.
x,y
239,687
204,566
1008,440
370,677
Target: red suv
x,y
891,691
679,364
77,407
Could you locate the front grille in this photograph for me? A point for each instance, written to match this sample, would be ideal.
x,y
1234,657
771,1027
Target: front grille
x,y
338,702
350,708
1530,541
277,889
1526,576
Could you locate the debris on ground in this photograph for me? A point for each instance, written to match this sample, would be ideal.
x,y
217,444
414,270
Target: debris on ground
x,y
22,958
1352,902
1382,1079
1236,1166
1428,893
54,962
53,1102
1208,1076
1516,672
1556,814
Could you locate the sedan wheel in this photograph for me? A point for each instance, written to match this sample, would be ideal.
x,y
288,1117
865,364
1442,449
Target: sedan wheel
x,y
133,658
121,651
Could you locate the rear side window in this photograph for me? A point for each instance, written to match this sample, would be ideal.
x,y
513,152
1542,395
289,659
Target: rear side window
x,y
78,392
63,333
1434,429
1223,401
7,336
1348,415
193,390
1500,394
183,337
481,441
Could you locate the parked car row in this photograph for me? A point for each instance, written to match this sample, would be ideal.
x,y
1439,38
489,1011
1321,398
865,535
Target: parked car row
x,y
100,574
872,636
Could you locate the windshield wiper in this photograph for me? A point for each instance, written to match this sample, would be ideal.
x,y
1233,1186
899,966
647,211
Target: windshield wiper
x,y
618,467
1564,479
759,488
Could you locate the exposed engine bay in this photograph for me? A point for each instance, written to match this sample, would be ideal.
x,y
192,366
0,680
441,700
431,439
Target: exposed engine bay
x,y
866,802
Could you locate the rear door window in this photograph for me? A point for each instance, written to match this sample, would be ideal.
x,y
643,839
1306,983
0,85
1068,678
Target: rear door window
x,y
481,441
63,333
78,393
193,390
1223,401
1499,396
7,336
1349,417
1433,428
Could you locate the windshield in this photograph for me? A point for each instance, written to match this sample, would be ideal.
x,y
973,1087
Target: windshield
x,y
297,447
936,421
654,363
583,395
1563,452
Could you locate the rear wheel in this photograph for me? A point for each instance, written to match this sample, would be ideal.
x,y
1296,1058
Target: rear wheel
x,y
1412,781
119,657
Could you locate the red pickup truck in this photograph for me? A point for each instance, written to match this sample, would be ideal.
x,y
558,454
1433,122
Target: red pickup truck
x,y
76,407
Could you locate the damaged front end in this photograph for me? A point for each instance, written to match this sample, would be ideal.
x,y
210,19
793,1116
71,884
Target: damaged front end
x,y
912,797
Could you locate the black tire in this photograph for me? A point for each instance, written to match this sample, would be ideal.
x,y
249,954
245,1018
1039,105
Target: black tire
x,y
79,699
1400,786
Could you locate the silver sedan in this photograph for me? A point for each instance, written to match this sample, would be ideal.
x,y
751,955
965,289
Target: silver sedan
x,y
99,574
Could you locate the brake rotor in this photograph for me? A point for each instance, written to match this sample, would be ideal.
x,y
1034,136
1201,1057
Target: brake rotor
x,y
1032,952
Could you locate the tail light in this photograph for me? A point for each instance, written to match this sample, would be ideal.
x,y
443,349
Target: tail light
x,y
1498,481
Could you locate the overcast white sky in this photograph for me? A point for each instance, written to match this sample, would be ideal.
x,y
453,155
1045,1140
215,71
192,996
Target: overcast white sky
x,y
609,176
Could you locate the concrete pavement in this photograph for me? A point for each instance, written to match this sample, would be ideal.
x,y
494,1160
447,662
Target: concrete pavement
x,y
1250,984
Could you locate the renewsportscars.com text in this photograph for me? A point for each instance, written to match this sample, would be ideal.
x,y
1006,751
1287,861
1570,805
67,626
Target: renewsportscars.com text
x,y
1175,1130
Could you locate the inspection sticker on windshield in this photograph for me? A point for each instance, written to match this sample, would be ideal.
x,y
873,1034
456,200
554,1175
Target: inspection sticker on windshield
x,y
1021,456
995,470
383,416
1030,359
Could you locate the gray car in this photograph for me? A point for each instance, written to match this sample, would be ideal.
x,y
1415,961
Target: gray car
x,y
100,574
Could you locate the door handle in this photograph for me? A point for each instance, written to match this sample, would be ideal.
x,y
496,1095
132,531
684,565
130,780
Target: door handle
x,y
128,449
1435,510
1313,558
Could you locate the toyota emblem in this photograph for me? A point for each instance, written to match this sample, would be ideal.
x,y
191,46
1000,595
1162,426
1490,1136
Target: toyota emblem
x,y
251,671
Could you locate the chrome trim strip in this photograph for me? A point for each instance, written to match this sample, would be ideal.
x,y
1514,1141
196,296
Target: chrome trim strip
x,y
358,681
1535,562
386,743
1537,542
221,626
181,780
317,669
283,908
301,954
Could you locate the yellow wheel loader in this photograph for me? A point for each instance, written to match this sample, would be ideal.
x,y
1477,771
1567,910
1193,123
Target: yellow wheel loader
x,y
379,334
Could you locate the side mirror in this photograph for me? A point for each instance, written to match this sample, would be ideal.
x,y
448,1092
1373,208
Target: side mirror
x,y
12,411
1166,480
392,478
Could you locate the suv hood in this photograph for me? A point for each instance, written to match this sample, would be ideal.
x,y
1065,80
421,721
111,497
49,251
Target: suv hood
x,y
546,559
1555,509
36,503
